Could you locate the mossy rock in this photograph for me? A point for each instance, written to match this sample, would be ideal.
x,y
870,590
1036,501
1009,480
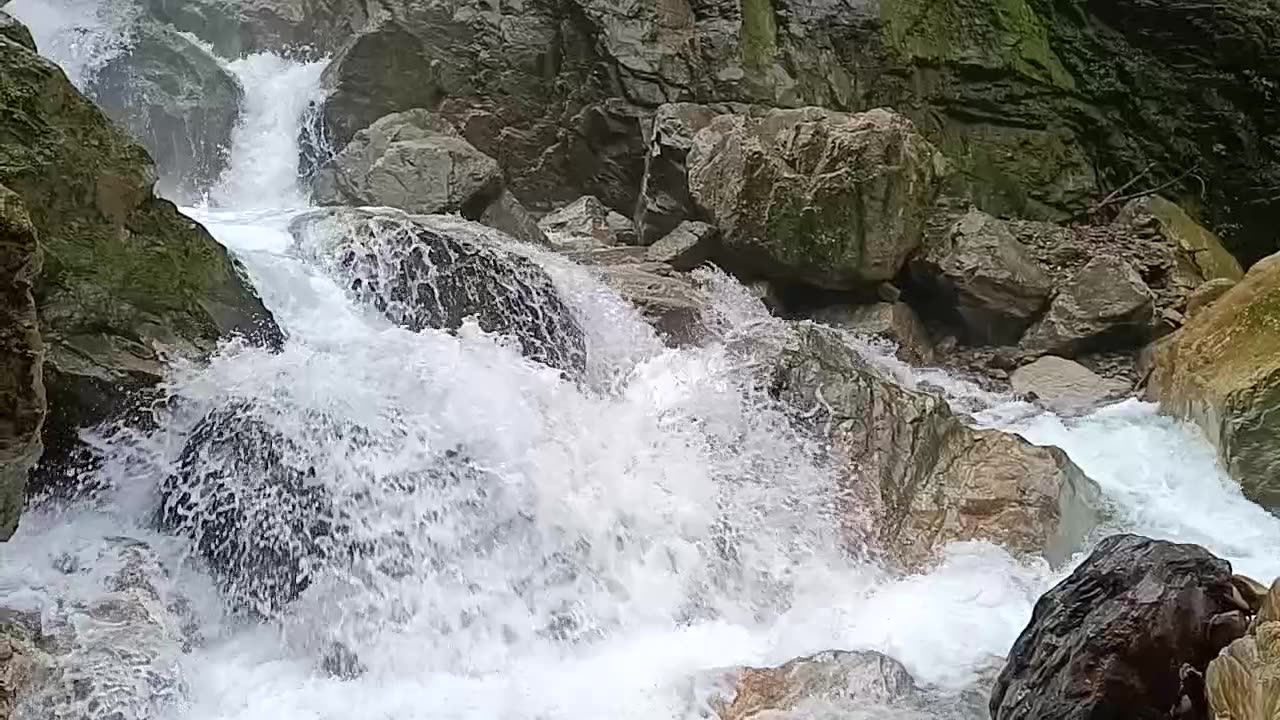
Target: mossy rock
x,y
127,279
1222,371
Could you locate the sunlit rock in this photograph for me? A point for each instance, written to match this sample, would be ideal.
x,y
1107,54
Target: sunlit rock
x,y
1222,371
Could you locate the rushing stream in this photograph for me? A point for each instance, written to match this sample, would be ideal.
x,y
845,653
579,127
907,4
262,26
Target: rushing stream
x,y
579,573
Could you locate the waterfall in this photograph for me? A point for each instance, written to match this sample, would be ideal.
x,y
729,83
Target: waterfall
x,y
522,543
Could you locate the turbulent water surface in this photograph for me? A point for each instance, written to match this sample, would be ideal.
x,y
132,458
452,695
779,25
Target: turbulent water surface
x,y
580,570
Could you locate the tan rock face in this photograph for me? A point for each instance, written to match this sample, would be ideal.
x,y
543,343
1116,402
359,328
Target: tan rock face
x,y
934,480
829,199
1243,682
1222,371
1207,294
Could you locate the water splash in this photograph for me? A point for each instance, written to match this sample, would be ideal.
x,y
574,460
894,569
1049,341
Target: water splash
x,y
263,174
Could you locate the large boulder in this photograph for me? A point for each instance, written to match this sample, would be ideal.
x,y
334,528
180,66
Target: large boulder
x,y
828,199
22,396
1105,306
176,99
933,479
414,161
1111,640
1222,371
982,273
426,271
127,280
1240,683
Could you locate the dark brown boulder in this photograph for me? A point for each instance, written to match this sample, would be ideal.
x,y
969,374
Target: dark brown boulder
x,y
1110,641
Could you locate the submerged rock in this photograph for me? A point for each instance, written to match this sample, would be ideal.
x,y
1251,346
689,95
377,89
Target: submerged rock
x,y
177,100
248,496
839,684
426,271
127,280
1112,639
1222,371
112,653
931,479
22,396
813,196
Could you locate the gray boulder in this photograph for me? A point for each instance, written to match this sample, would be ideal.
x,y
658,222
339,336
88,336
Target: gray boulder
x,y
986,276
587,223
668,299
685,248
1066,387
895,322
1105,306
413,161
823,198
177,101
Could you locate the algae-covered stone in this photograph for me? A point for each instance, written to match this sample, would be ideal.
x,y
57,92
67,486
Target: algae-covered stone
x,y
177,100
1222,371
22,396
1199,250
127,280
833,200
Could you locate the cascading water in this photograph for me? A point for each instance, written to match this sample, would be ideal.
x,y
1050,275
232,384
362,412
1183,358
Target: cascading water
x,y
527,546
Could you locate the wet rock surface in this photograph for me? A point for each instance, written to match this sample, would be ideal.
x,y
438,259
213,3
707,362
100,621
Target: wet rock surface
x,y
1112,639
436,271
932,479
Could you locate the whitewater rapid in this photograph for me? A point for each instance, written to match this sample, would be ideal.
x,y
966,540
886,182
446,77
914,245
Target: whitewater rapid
x,y
609,508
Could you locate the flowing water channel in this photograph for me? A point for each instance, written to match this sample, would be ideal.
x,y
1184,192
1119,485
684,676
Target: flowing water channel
x,y
580,572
